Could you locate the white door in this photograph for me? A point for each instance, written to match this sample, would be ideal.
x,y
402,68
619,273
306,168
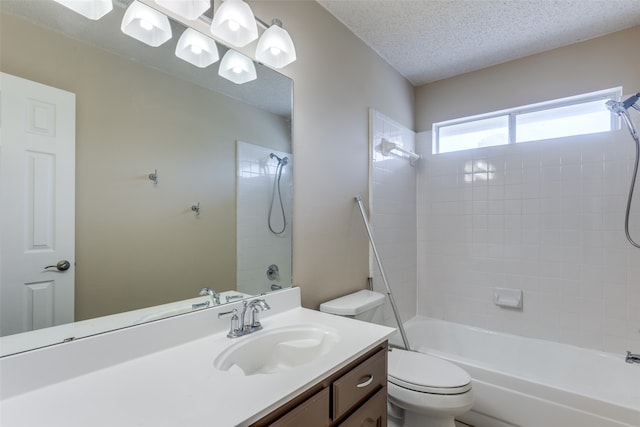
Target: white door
x,y
37,198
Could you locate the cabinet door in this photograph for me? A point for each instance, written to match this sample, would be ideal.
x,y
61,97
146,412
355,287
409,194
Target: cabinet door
x,y
372,414
314,412
359,383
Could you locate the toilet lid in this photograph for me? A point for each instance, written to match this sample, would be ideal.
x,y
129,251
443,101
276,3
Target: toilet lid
x,y
427,374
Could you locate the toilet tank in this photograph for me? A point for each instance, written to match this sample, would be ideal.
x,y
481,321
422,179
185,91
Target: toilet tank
x,y
362,305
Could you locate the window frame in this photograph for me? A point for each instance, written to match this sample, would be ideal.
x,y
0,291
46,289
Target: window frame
x,y
606,94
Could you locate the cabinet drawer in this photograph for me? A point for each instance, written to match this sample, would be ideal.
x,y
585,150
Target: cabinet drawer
x,y
372,414
360,383
314,412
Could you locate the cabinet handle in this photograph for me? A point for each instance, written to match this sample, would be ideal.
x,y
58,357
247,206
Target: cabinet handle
x,y
366,382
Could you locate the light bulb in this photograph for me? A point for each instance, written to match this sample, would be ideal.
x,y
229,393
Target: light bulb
x,y
275,48
91,9
237,67
195,49
146,24
233,25
275,51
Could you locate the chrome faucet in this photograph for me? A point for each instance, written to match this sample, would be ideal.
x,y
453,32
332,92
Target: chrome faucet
x,y
214,295
253,307
632,357
239,325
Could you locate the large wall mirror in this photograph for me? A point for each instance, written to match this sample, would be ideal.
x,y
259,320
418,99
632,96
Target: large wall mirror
x,y
218,213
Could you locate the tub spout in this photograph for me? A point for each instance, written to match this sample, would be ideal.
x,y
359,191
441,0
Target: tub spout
x,y
214,295
632,357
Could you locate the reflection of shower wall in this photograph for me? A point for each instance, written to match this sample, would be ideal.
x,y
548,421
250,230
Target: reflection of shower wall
x,y
393,215
257,246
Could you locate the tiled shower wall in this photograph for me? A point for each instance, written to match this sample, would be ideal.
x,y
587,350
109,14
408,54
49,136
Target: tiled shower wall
x,y
393,203
545,217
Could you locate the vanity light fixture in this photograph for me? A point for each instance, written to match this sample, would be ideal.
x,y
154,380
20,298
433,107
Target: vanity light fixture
x,y
234,23
236,67
275,47
92,9
197,49
188,9
146,24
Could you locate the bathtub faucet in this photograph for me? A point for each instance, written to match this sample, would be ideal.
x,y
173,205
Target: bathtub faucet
x,y
632,357
214,295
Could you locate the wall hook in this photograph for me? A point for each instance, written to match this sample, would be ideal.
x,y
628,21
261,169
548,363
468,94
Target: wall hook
x,y
154,177
196,209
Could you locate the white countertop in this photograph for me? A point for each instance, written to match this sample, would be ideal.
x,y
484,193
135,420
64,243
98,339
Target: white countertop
x,y
178,385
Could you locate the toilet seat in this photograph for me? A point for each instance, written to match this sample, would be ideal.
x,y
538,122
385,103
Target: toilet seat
x,y
426,374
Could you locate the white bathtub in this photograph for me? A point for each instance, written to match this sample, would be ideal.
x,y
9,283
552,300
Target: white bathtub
x,y
533,383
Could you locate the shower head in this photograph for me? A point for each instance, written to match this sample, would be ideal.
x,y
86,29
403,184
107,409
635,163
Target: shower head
x,y
619,107
632,101
281,161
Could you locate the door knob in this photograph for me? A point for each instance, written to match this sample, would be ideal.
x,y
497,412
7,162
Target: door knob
x,y
61,266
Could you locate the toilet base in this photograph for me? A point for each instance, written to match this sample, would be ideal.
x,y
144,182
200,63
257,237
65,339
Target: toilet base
x,y
412,419
397,417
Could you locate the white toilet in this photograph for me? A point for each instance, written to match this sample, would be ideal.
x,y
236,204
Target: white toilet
x,y
429,391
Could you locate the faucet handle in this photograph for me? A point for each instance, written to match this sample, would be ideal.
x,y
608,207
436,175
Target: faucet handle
x,y
235,330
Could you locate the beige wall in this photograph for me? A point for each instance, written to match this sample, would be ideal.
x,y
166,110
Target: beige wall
x,y
600,63
138,245
336,79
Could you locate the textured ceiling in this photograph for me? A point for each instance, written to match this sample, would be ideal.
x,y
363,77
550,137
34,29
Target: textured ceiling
x,y
429,40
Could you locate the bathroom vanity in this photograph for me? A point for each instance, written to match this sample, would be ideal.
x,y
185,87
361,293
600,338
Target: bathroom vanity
x,y
170,373
354,396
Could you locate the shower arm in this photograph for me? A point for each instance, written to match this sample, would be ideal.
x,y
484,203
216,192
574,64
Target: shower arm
x,y
394,307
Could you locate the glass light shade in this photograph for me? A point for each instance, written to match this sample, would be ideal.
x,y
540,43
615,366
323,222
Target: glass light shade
x,y
146,24
188,9
92,9
234,23
237,68
197,49
275,47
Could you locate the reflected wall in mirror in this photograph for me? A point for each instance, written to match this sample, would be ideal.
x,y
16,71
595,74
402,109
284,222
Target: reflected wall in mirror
x,y
142,111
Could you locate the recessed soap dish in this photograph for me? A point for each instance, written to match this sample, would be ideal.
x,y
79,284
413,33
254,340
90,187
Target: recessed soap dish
x,y
507,297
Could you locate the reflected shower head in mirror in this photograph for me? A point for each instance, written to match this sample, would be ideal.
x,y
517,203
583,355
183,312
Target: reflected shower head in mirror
x,y
281,161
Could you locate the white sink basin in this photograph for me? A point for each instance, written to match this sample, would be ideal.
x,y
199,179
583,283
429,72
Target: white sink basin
x,y
276,350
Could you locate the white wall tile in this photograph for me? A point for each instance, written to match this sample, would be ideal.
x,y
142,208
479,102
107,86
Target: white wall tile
x,y
550,223
393,206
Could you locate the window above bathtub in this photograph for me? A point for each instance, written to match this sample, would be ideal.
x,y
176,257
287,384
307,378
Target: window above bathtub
x,y
576,115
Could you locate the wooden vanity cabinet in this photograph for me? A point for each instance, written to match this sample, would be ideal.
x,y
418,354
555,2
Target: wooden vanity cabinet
x,y
354,396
